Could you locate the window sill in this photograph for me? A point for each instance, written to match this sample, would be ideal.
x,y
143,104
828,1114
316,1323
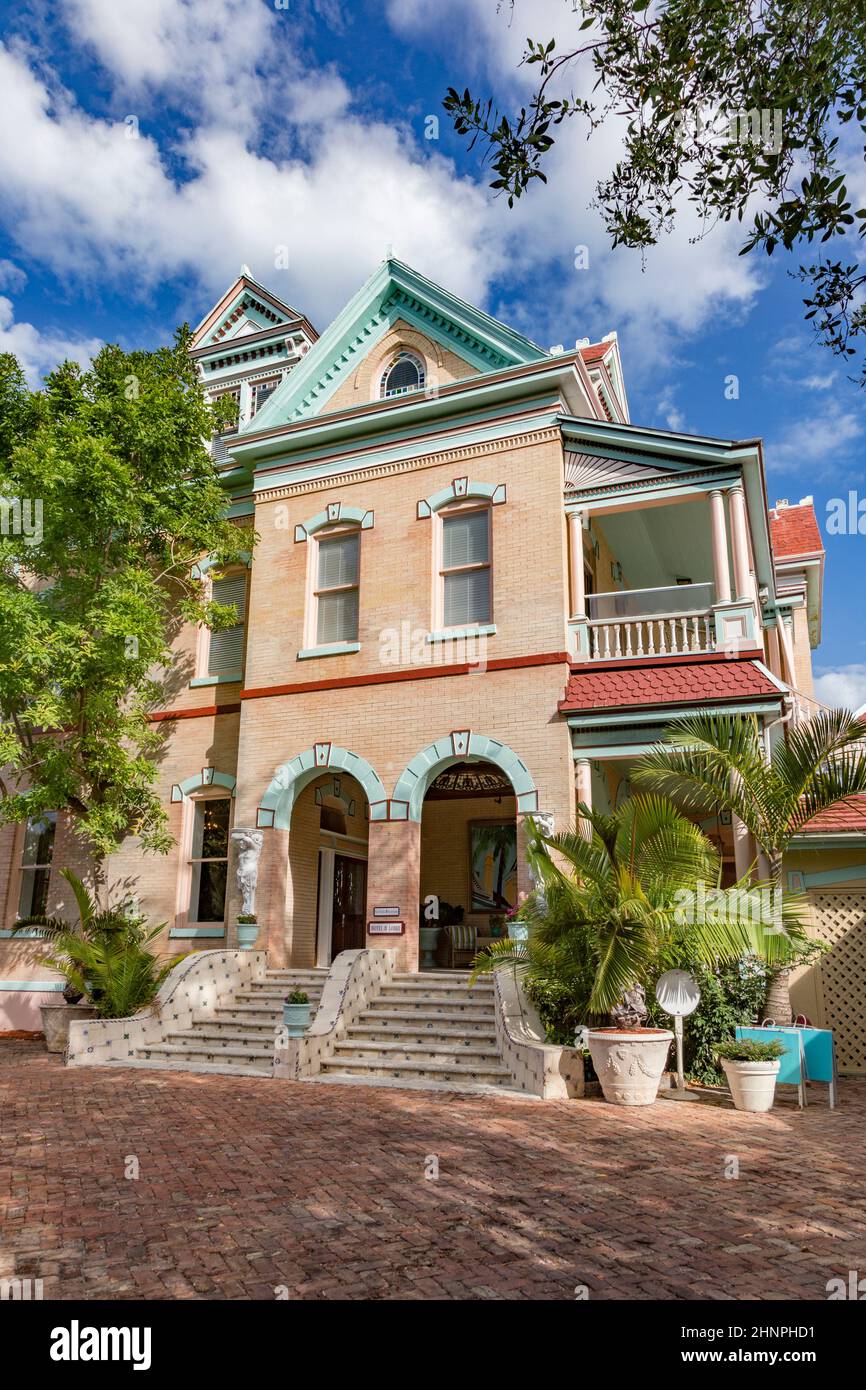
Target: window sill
x,y
31,934
455,634
197,931
216,680
336,649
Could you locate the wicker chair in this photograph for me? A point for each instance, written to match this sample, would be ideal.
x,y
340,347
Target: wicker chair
x,y
462,942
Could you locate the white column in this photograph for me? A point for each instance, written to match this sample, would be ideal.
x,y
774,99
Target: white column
x,y
583,781
739,543
575,564
721,572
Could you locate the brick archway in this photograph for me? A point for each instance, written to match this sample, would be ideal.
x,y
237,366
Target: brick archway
x,y
459,746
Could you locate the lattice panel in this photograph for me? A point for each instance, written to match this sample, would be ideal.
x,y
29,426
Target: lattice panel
x,y
840,920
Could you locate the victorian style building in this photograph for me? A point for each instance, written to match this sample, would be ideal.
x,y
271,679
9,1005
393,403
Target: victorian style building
x,y
475,591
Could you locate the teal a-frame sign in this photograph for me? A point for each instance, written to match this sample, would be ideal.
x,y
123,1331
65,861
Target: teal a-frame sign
x,y
809,1056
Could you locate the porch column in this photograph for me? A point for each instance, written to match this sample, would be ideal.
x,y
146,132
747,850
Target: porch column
x,y
583,782
787,646
394,880
721,572
575,564
740,543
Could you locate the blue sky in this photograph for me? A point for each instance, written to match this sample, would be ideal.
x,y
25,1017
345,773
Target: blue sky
x,y
150,147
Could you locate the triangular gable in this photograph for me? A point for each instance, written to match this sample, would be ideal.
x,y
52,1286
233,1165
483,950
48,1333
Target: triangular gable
x,y
247,307
394,292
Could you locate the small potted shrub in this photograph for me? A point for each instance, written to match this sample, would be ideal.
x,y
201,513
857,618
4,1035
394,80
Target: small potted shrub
x,y
751,1068
248,930
518,930
296,1013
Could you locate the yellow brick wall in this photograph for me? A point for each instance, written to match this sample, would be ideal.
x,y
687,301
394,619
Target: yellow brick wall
x,y
442,366
445,847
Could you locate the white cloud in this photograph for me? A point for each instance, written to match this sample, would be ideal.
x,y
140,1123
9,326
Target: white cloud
x,y
843,687
816,440
39,352
12,277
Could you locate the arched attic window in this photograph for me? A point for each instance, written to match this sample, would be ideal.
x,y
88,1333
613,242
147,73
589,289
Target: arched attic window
x,y
406,373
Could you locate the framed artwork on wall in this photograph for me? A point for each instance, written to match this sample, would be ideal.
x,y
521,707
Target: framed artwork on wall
x,y
492,866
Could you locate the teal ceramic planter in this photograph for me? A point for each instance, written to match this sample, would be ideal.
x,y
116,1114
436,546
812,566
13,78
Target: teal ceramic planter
x,y
247,935
296,1018
518,931
429,938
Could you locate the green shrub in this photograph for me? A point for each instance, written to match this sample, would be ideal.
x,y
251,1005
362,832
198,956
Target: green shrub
x,y
297,996
749,1050
730,995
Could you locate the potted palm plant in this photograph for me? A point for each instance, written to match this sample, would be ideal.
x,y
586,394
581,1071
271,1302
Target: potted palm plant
x,y
751,1068
103,959
610,917
296,1013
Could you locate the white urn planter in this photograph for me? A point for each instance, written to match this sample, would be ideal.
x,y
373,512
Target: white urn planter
x,y
56,1019
629,1062
752,1084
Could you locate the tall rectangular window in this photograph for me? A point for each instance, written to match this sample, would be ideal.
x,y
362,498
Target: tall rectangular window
x,y
209,856
261,391
466,568
226,648
36,865
336,590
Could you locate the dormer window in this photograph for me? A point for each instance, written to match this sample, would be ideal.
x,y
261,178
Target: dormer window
x,y
406,373
262,391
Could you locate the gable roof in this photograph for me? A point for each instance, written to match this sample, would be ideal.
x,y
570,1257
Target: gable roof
x,y
246,307
794,531
845,817
394,291
595,687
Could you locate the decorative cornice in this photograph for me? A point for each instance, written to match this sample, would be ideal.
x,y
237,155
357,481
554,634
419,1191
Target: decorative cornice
x,y
396,466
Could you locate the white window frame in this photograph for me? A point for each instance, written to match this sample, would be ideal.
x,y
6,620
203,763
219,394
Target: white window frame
x,y
34,868
203,645
420,364
183,914
440,572
311,639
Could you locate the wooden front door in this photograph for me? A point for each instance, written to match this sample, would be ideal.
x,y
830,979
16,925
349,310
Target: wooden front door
x,y
348,931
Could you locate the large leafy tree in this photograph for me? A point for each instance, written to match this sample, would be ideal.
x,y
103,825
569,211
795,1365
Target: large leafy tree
x,y
109,496
719,761
742,107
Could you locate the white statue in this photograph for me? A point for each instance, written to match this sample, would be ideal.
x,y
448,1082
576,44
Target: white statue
x,y
249,843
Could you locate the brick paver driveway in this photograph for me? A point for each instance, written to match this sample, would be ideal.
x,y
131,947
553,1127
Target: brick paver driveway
x,y
247,1185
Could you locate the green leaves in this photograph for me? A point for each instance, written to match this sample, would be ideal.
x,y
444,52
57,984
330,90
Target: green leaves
x,y
128,500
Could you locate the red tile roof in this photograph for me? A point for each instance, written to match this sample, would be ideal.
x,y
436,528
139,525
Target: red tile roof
x,y
848,816
794,531
666,683
595,352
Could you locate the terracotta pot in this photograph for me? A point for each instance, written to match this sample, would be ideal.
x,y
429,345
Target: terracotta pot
x,y
752,1084
629,1062
56,1019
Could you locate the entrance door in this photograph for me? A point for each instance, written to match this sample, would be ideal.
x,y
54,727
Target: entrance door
x,y
350,900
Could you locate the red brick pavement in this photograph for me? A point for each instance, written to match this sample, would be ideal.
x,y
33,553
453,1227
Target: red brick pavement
x,y
246,1185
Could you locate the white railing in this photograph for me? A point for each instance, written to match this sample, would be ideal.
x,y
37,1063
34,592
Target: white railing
x,y
675,634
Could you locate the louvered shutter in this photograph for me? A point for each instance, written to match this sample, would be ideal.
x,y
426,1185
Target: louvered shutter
x,y
227,647
465,540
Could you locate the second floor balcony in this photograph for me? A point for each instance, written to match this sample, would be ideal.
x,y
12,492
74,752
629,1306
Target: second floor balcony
x,y
670,621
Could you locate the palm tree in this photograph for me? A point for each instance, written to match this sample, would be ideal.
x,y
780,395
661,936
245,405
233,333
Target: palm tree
x,y
617,908
721,762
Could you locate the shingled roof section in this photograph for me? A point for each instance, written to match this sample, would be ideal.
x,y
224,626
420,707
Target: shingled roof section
x,y
794,531
849,817
666,683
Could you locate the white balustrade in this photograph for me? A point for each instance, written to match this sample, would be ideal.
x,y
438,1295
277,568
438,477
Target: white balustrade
x,y
674,634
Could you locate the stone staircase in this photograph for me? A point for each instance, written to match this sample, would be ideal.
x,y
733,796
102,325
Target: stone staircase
x,y
238,1038
426,1029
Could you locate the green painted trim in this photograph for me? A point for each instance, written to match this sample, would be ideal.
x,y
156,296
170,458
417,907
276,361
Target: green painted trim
x,y
460,490
641,438
334,514
648,490
853,873
210,563
32,934
289,780
32,986
208,777
817,840
197,931
217,680
241,509
456,634
453,748
393,291
335,649
658,716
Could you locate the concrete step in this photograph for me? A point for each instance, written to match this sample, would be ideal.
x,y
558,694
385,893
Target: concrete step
x,y
258,994
433,1050
444,1008
222,1038
207,1052
223,1068
429,999
264,1024
491,1073
466,1018
412,984
394,1029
